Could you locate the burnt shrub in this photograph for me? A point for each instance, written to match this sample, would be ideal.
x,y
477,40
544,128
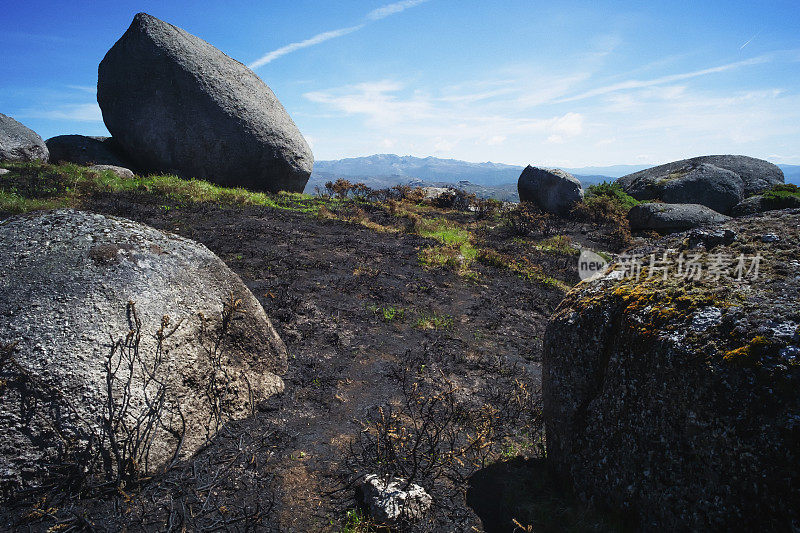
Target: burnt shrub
x,y
528,220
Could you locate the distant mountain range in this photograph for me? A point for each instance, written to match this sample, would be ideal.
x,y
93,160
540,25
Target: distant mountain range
x,y
485,179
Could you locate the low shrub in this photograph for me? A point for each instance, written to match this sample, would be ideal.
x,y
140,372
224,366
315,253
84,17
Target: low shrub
x,y
783,196
487,208
527,219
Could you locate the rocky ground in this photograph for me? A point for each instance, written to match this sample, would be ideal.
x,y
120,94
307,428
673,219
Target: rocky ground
x,y
372,334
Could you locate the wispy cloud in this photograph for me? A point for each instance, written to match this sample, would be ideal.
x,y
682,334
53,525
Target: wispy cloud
x,y
446,123
507,119
391,9
92,89
639,84
75,112
374,15
289,48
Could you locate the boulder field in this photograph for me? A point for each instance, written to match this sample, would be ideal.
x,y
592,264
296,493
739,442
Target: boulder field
x,y
117,338
176,104
670,383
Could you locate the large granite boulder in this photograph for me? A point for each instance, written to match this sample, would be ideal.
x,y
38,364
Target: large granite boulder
x,y
20,143
553,190
117,338
716,181
671,398
84,150
177,104
669,218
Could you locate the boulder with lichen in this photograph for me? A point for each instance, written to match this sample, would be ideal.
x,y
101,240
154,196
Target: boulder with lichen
x,y
670,383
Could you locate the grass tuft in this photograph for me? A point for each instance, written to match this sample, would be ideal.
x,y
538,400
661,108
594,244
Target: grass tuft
x,y
36,185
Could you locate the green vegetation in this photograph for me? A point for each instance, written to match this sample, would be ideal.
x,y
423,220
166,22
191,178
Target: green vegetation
x,y
444,231
523,267
607,203
557,244
434,321
611,191
456,252
31,186
356,522
388,314
782,196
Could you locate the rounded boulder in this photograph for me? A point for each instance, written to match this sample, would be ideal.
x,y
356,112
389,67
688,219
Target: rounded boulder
x,y
554,190
121,347
20,143
177,104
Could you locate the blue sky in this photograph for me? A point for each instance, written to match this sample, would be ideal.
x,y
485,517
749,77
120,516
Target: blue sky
x,y
554,83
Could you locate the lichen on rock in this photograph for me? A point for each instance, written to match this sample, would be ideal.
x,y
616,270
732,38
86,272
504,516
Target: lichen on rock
x,y
672,400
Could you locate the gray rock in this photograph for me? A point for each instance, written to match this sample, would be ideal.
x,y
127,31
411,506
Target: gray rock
x,y
716,181
434,193
66,280
709,238
20,143
177,104
83,150
390,501
670,218
122,172
553,190
748,206
675,403
706,318
760,203
4,171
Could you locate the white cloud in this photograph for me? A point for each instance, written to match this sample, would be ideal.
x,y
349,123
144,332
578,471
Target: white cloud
x,y
391,9
638,84
375,100
569,125
76,112
444,124
374,15
523,114
91,89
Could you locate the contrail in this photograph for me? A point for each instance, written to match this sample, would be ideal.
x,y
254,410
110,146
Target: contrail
x,y
750,40
374,15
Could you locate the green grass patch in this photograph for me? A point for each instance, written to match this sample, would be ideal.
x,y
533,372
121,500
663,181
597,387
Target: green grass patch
x,y
13,203
388,314
31,186
434,321
522,267
558,244
356,522
456,250
444,231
